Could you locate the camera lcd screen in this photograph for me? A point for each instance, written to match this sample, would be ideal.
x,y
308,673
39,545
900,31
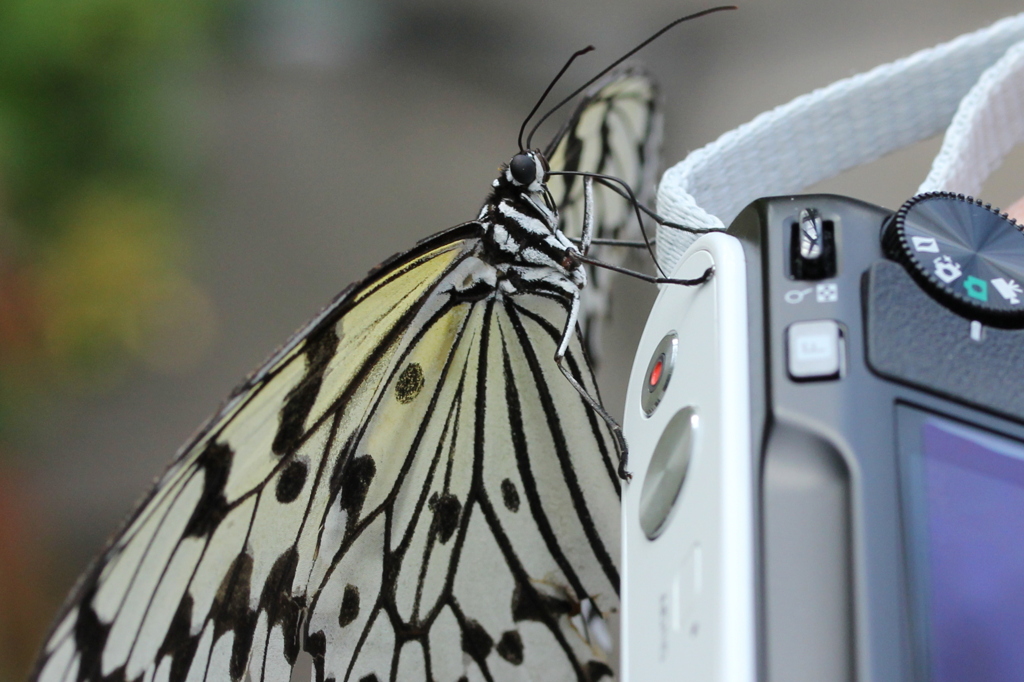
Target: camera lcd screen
x,y
967,528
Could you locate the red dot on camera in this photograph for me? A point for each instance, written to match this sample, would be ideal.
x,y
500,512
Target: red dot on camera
x,y
656,373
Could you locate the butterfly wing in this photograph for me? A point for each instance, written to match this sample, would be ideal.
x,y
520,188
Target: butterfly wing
x,y
615,130
408,490
508,507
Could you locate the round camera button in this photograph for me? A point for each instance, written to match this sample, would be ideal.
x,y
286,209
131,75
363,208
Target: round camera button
x,y
659,371
667,471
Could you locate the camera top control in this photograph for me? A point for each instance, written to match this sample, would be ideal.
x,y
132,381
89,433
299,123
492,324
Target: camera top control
x,y
963,253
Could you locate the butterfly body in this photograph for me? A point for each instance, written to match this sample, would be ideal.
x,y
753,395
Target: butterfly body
x,y
521,236
410,489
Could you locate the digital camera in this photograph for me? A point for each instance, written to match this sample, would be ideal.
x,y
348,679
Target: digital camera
x,y
827,448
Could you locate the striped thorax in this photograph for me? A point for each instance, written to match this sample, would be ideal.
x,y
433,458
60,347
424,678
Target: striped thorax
x,y
521,238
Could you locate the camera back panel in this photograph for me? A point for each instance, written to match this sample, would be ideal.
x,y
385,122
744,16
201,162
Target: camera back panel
x,y
876,407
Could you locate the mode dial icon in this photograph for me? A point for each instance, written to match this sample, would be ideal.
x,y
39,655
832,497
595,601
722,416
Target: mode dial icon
x,y
965,254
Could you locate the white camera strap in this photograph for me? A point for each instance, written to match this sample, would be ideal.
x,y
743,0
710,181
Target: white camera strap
x,y
987,125
973,84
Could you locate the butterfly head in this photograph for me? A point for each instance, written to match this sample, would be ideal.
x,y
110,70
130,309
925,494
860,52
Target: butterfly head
x,y
528,170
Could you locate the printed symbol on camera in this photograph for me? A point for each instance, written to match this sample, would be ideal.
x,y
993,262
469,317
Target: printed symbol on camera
x,y
827,293
1008,289
814,348
928,244
947,269
976,288
794,296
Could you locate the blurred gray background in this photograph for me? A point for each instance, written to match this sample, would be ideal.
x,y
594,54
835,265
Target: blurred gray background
x,y
335,133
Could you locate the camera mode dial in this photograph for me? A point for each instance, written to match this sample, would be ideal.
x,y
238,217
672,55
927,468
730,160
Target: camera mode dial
x,y
965,254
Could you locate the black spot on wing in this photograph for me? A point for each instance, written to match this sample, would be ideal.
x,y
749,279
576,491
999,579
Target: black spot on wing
x,y
118,675
215,463
290,483
242,645
230,611
510,647
595,670
529,604
409,384
476,642
178,643
282,608
447,509
300,400
341,464
477,291
509,495
349,606
369,678
90,637
351,481
316,646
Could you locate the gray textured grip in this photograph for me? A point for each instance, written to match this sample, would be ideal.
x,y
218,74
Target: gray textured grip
x,y
913,339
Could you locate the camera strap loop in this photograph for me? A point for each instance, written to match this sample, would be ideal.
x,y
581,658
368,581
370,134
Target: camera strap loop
x,y
987,125
855,121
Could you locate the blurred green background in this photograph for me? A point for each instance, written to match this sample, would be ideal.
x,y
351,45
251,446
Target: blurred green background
x,y
94,245
183,183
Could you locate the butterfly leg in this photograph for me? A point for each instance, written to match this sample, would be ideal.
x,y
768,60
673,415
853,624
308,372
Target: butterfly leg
x,y
567,332
588,215
651,278
625,191
625,243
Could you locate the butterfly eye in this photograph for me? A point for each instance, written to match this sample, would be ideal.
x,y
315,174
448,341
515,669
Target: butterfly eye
x,y
524,169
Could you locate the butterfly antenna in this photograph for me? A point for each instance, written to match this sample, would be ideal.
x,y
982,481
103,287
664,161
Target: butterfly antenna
x,y
610,67
522,128
664,222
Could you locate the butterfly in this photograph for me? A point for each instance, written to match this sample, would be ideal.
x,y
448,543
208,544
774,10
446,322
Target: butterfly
x,y
420,485
616,131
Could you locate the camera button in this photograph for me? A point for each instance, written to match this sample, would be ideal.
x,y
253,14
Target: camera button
x,y
659,371
667,470
814,350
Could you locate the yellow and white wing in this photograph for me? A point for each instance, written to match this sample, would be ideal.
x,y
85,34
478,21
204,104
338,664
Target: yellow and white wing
x,y
408,490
